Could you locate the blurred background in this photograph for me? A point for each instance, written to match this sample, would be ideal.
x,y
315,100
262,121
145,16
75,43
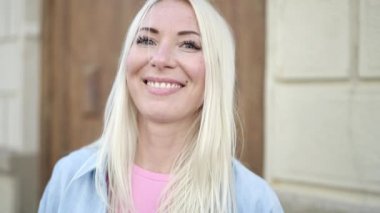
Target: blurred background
x,y
308,93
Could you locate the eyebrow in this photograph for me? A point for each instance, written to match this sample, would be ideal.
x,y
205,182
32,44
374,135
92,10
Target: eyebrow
x,y
188,32
181,33
149,29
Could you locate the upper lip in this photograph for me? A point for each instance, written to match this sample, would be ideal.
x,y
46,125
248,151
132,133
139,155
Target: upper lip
x,y
163,80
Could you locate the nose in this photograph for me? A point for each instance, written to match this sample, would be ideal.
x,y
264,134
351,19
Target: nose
x,y
162,58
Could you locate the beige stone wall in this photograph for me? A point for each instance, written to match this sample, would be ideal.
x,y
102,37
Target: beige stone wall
x,y
323,104
19,103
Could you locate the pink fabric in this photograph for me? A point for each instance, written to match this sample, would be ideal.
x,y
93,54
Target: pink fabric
x,y
146,189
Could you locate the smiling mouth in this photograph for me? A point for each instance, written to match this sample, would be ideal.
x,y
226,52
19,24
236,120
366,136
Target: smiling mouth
x,y
163,85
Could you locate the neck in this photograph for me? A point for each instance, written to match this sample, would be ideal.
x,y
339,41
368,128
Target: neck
x,y
159,144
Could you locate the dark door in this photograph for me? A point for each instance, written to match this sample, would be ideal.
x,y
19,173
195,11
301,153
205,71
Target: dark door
x,y
247,19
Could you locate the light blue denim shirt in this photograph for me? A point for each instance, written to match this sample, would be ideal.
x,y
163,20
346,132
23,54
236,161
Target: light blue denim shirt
x,y
72,187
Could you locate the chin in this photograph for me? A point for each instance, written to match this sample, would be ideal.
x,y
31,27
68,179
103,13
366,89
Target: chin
x,y
161,118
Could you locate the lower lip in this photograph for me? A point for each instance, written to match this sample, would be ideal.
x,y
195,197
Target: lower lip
x,y
162,91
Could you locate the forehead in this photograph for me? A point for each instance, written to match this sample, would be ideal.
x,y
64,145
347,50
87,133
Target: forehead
x,y
171,13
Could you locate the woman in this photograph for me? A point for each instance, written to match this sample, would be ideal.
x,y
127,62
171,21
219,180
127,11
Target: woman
x,y
169,137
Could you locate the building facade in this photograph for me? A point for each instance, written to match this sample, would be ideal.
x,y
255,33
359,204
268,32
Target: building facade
x,y
20,26
323,104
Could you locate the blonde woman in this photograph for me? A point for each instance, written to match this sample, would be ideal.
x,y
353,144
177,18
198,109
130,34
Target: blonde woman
x,y
169,136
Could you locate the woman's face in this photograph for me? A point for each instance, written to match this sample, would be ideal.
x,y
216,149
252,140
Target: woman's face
x,y
165,66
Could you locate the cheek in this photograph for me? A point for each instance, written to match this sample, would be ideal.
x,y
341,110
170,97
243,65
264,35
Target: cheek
x,y
199,76
133,65
201,71
202,77
135,61
130,63
197,68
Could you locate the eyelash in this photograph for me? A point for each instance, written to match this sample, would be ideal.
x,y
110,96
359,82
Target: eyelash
x,y
145,40
191,45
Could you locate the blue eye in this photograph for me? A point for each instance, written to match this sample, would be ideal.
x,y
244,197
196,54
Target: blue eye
x,y
190,45
144,40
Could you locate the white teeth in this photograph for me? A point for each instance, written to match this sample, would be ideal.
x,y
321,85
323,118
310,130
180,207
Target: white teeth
x,y
163,85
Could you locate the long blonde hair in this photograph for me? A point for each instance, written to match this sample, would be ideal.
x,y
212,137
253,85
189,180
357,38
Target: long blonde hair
x,y
202,176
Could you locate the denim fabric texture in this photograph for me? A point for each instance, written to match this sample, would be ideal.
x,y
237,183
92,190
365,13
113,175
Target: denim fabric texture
x,y
72,187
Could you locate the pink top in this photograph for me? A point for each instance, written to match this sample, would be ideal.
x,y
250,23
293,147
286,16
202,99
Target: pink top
x,y
147,187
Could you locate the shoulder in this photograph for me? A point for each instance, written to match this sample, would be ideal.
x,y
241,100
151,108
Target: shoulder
x,y
66,170
76,161
253,193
